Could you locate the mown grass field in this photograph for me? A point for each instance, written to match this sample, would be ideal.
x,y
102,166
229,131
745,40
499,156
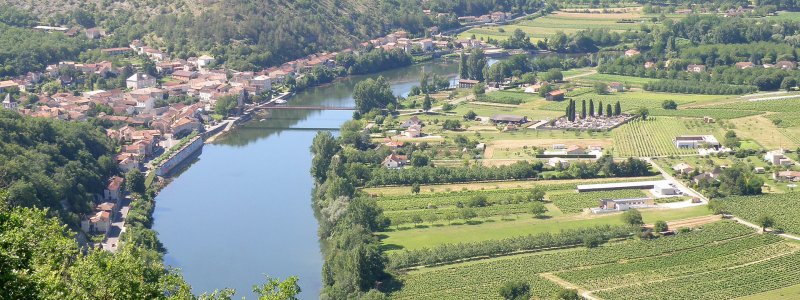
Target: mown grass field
x,y
722,260
523,225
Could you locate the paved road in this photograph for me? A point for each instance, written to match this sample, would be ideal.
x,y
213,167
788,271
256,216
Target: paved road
x,y
111,242
678,183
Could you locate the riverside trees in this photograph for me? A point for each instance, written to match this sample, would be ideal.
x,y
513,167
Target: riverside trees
x,y
373,94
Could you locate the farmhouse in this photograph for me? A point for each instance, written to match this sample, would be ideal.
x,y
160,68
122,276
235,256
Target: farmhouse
x,y
558,162
412,122
744,65
467,83
695,141
413,131
140,81
99,222
683,168
394,161
778,158
632,52
610,205
616,87
696,68
507,119
113,191
786,65
556,95
787,175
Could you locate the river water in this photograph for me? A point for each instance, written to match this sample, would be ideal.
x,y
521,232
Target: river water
x,y
242,210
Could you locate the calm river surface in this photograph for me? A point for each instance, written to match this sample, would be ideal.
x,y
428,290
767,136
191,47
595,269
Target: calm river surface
x,y
243,209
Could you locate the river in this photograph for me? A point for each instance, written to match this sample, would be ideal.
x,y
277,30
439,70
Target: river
x,y
242,210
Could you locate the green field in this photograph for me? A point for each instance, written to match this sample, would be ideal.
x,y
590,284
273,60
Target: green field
x,y
695,265
632,100
786,16
783,208
629,81
719,114
574,202
654,136
788,293
497,229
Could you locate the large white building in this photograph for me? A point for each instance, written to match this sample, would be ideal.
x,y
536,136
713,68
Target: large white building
x,y
695,141
140,81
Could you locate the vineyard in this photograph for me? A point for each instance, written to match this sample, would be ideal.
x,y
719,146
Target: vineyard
x,y
574,202
654,136
783,105
783,208
632,100
481,280
719,114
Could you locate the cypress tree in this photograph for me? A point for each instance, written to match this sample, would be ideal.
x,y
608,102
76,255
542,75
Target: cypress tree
x,y
608,110
583,109
617,109
591,107
600,109
567,111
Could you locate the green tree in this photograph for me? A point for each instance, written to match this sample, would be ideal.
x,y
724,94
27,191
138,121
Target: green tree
x,y
426,103
632,217
554,75
468,214
583,109
609,111
716,206
669,104
537,194
419,160
765,222
617,109
135,181
451,124
470,115
643,112
415,188
788,83
323,147
275,289
600,88
515,290
567,294
537,209
661,226
225,105
372,94
591,107
479,89
463,68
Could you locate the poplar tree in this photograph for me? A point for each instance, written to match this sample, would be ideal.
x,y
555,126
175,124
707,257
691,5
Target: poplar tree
x,y
583,109
591,107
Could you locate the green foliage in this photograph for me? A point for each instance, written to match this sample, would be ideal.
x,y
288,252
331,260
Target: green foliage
x,y
226,104
451,124
275,289
135,181
577,202
553,75
372,94
515,290
695,87
43,161
781,208
669,104
27,50
661,226
600,88
632,217
537,209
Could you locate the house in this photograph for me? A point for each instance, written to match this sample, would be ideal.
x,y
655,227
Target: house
x,y
787,175
184,75
744,65
204,60
708,120
7,84
778,158
533,89
759,170
786,65
632,52
185,125
413,131
467,83
109,207
695,141
556,95
100,222
128,161
426,45
702,177
616,87
140,81
394,161
113,191
576,150
556,162
413,121
715,172
683,168
506,119
261,82
624,204
9,103
94,33
649,65
695,68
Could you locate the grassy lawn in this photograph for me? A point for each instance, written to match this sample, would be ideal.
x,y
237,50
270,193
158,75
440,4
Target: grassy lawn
x,y
785,16
420,238
763,131
788,293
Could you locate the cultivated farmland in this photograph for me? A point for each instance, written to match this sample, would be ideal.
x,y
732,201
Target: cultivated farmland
x,y
654,136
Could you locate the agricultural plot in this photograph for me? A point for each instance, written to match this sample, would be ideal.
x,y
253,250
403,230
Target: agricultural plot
x,y
629,81
719,114
573,202
718,242
654,136
763,131
782,105
783,208
632,100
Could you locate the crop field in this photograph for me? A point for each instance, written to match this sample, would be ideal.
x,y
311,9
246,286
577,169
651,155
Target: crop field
x,y
763,131
565,22
628,81
573,202
677,267
654,136
719,114
632,100
783,105
783,208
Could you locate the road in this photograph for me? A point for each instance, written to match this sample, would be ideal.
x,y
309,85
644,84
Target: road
x,y
746,223
111,242
678,183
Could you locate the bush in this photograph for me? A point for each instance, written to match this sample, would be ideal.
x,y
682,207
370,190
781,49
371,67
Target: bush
x,y
515,290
